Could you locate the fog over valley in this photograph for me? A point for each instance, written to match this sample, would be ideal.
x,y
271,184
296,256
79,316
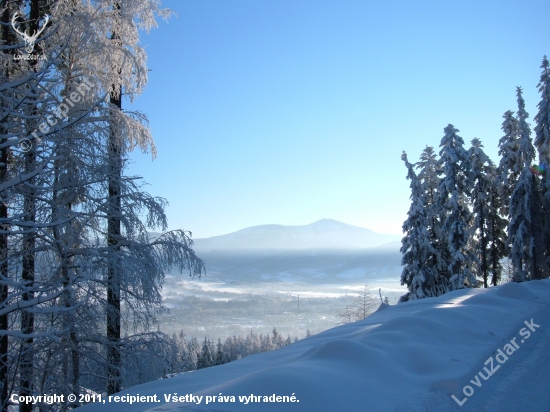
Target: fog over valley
x,y
293,278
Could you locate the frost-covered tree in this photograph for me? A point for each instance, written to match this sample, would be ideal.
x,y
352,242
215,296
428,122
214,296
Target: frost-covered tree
x,y
180,356
114,216
485,203
508,169
28,264
205,359
525,234
192,354
454,189
419,259
428,174
55,202
542,143
277,339
4,199
24,98
361,306
542,119
496,233
429,170
221,357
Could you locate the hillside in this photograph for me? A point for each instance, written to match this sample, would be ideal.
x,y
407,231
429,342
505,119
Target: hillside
x,y
409,357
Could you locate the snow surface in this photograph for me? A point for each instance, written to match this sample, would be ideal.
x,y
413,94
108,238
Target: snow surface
x,y
408,357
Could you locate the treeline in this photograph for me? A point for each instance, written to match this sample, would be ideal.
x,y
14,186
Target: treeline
x,y
190,354
468,214
77,264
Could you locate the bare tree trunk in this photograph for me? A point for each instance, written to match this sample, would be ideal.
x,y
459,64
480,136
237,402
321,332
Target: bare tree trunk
x,y
27,276
26,360
494,254
538,265
113,239
63,199
64,241
483,239
113,280
4,176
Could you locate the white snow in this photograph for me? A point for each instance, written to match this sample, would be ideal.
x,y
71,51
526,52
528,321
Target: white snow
x,y
409,357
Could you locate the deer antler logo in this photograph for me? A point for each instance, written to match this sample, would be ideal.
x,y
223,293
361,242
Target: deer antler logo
x,y
29,40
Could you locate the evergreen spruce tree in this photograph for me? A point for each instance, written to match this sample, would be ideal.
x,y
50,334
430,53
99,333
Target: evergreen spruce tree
x,y
205,359
221,358
500,193
422,279
496,232
454,189
542,143
429,170
485,205
508,169
192,355
525,232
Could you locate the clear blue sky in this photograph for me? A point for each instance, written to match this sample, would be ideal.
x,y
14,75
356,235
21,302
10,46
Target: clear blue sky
x,y
285,112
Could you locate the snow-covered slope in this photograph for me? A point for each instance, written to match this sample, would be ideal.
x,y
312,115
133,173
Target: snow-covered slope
x,y
409,357
323,234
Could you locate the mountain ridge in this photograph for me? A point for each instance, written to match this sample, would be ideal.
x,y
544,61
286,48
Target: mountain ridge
x,y
322,234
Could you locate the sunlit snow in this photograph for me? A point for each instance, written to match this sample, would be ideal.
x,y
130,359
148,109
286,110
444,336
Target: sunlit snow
x,y
408,357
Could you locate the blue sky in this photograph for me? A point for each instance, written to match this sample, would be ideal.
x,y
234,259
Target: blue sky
x,y
286,112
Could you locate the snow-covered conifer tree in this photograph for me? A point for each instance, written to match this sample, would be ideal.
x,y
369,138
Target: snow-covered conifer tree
x,y
508,169
488,224
525,235
205,359
542,143
429,170
221,357
421,277
496,232
428,173
192,354
453,192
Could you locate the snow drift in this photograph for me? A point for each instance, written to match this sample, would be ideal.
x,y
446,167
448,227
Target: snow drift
x,y
410,357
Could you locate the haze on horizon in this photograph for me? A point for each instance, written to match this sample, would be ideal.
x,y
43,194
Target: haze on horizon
x,y
323,234
290,111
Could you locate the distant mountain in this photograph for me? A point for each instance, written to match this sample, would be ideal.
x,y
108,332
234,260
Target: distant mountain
x,y
323,234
